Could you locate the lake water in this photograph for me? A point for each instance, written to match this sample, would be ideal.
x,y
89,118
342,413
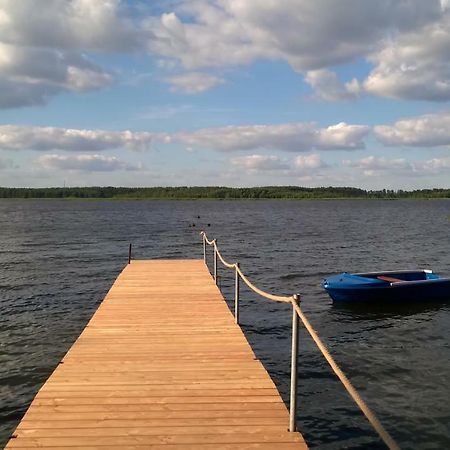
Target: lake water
x,y
59,258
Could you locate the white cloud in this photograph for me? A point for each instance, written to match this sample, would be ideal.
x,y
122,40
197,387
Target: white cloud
x,y
429,130
415,66
44,48
259,162
296,137
302,165
193,82
14,137
308,35
407,42
306,163
327,87
29,76
14,94
84,163
103,25
34,65
435,165
83,79
342,136
379,165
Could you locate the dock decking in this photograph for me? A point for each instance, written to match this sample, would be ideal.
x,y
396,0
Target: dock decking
x,y
161,365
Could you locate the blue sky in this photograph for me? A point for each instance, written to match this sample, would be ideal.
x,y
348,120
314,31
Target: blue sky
x,y
225,92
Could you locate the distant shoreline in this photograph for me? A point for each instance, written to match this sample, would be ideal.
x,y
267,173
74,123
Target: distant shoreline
x,y
182,199
218,193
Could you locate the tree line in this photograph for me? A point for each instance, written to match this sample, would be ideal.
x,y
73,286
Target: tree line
x,y
218,192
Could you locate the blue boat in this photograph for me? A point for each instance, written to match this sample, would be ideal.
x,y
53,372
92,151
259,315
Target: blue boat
x,y
403,285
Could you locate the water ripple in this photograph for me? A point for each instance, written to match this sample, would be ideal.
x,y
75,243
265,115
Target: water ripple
x,y
58,260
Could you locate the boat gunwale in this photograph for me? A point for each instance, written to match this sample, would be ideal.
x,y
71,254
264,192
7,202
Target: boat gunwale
x,y
389,272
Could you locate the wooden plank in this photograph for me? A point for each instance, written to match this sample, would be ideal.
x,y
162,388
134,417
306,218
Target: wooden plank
x,y
34,423
160,365
153,391
131,430
90,400
53,414
144,440
96,386
130,446
155,407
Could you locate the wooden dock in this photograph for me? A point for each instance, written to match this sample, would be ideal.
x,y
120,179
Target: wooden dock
x,y
161,365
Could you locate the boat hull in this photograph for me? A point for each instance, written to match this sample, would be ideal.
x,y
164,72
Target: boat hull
x,y
369,287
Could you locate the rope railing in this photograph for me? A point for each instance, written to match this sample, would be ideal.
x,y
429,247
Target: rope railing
x,y
297,313
226,264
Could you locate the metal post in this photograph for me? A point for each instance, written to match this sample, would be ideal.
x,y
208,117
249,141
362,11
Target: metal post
x,y
204,248
215,261
236,295
129,254
294,358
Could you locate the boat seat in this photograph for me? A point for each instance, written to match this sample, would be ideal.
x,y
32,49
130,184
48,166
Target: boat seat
x,y
389,279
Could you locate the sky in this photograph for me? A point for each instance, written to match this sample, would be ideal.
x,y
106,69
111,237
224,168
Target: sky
x,y
225,92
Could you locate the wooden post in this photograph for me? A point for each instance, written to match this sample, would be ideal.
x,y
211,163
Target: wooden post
x,y
294,362
129,254
204,248
236,295
215,261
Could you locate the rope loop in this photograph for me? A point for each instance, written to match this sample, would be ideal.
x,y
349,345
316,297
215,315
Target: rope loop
x,y
235,266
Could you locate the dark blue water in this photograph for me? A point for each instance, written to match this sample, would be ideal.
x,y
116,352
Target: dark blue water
x,y
58,259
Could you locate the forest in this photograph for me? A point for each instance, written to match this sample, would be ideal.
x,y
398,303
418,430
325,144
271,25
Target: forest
x,y
217,192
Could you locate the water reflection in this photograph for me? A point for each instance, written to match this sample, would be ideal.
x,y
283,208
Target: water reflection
x,y
381,310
